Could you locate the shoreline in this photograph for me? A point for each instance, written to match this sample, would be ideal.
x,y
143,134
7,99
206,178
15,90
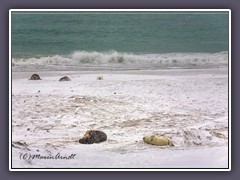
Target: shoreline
x,y
170,72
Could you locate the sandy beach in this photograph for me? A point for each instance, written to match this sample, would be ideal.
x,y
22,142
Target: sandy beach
x,y
190,106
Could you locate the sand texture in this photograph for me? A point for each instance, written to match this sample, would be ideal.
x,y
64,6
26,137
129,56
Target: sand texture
x,y
190,106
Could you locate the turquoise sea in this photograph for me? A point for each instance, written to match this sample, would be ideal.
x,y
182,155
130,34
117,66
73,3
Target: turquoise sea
x,y
120,39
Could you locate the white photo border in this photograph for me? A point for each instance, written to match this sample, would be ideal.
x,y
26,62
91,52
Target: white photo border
x,y
117,11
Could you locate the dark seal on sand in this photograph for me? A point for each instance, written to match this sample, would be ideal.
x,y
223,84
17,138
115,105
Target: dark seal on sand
x,y
65,78
93,136
35,77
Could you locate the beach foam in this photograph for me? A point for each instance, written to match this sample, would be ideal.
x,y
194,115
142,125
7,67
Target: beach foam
x,y
114,59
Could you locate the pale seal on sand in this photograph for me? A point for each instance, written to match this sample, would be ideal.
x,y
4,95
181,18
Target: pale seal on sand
x,y
158,140
93,136
65,78
35,77
100,78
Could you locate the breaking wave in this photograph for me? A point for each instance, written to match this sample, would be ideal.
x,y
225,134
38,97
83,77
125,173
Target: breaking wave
x,y
128,60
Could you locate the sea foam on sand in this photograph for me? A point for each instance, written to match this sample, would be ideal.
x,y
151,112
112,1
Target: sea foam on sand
x,y
190,106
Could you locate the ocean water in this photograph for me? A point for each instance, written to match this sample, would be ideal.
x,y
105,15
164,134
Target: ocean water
x,y
119,40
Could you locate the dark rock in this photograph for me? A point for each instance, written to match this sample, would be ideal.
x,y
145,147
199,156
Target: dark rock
x,y
65,78
35,77
93,136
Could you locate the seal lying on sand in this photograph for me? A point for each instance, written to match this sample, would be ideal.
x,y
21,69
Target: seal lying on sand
x,y
35,77
65,78
158,140
100,78
93,136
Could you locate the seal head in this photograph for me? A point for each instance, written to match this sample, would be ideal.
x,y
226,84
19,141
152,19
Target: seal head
x,y
35,77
